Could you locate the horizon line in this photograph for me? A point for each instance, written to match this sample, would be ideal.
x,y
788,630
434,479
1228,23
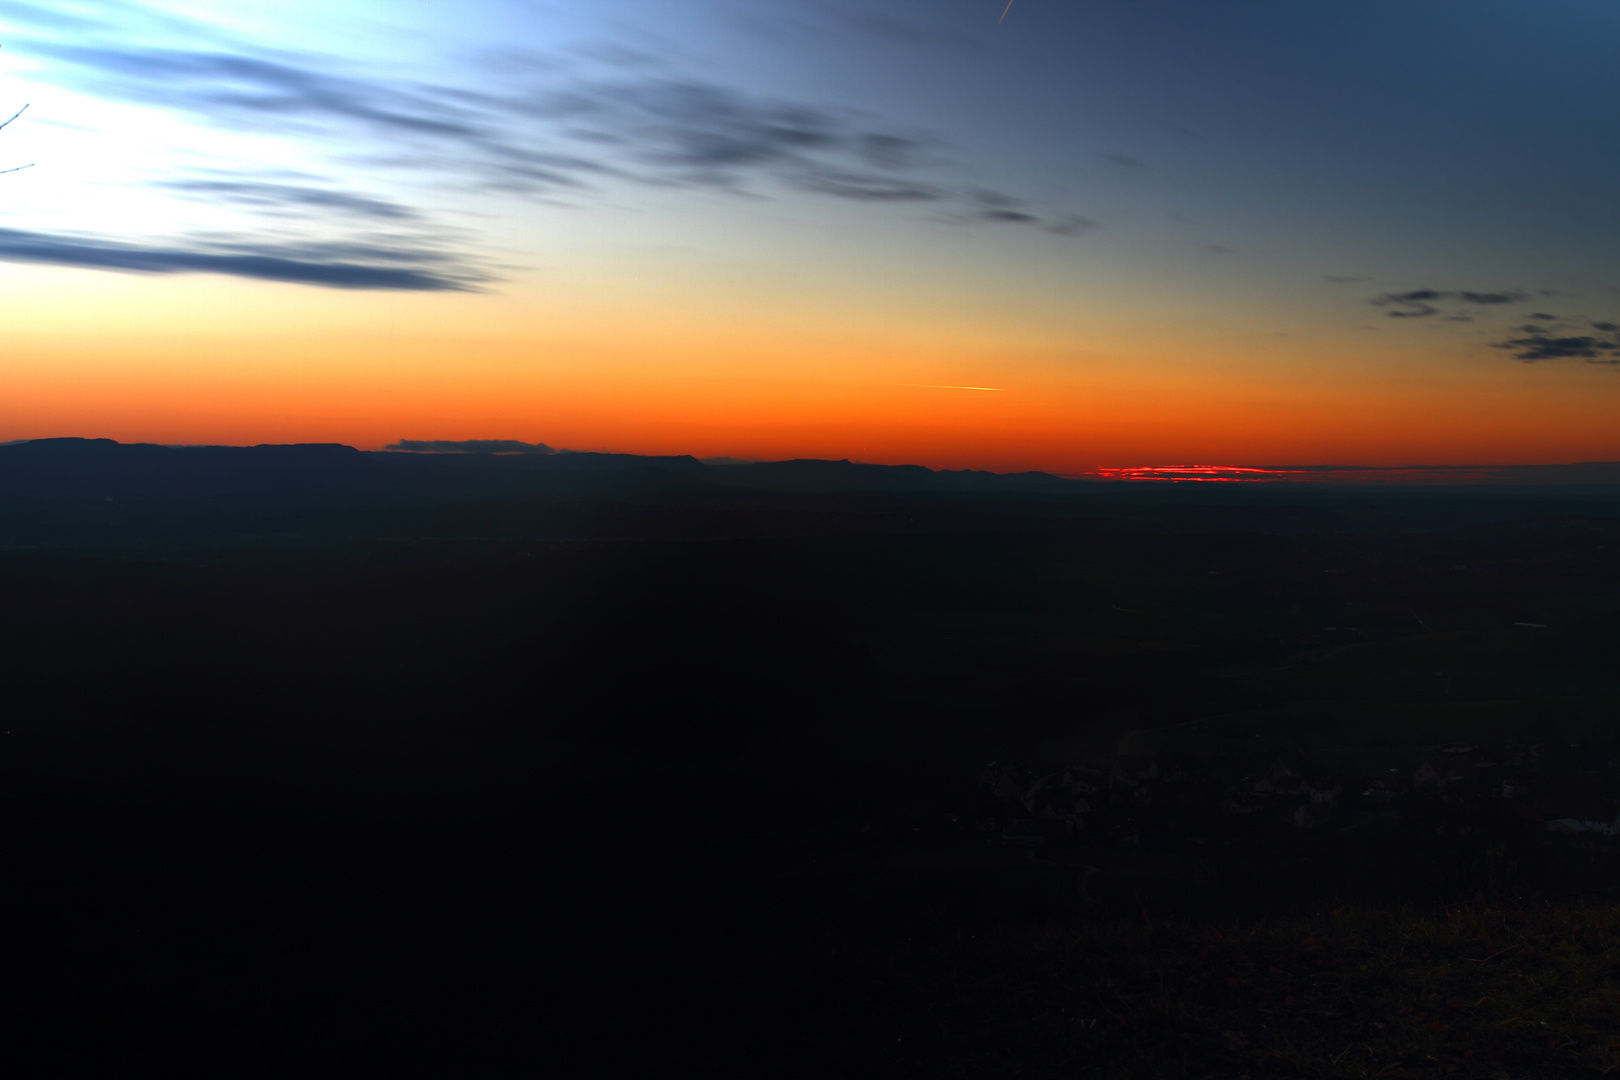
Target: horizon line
x,y
1196,472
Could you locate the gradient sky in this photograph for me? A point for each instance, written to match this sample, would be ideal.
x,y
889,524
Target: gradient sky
x,y
1163,232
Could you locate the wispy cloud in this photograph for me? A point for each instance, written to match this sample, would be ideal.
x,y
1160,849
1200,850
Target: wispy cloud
x,y
336,265
565,128
1544,337
995,206
865,19
282,198
1071,225
531,124
1596,342
1422,303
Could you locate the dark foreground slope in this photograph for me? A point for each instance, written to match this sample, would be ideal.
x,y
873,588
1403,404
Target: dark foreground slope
x,y
490,768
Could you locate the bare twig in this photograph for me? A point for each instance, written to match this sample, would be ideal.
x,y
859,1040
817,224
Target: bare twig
x,y
13,116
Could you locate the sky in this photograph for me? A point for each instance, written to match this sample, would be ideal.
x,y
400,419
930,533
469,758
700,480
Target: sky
x,y
1087,235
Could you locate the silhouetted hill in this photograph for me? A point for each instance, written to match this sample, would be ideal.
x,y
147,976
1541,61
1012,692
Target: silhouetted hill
x,y
798,475
810,474
584,462
97,468
104,494
311,747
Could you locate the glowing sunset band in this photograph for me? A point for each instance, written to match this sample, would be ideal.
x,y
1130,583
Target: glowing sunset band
x,y
1602,473
1205,473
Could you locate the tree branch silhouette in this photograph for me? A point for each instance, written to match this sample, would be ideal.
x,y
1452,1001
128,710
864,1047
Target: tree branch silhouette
x,y
13,116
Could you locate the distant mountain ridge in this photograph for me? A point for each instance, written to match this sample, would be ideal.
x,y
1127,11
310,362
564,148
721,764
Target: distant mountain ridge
x,y
75,468
796,475
102,467
63,494
55,468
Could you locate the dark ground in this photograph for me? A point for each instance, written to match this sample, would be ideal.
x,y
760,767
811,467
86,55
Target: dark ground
x,y
485,769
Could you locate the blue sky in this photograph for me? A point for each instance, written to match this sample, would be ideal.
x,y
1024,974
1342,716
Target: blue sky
x,y
1439,176
1398,139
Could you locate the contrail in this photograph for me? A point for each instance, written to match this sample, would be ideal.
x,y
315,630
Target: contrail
x,y
1004,12
936,386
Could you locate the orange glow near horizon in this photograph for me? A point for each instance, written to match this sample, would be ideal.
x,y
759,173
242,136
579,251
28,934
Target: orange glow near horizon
x,y
893,247
710,376
374,392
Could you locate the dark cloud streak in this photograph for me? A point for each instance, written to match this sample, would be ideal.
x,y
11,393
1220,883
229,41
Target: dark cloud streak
x,y
1422,303
1547,338
1535,343
336,266
274,196
867,188
539,133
